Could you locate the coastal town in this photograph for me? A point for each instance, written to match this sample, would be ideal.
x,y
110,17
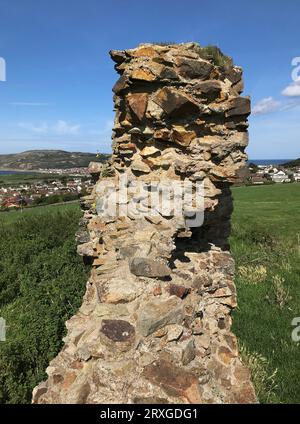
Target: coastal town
x,y
57,185
266,174
49,187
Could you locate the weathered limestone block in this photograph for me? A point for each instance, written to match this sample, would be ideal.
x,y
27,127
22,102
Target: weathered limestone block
x,y
156,314
154,326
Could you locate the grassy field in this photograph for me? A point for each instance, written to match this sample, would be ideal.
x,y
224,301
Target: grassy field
x,y
37,211
15,179
42,281
265,242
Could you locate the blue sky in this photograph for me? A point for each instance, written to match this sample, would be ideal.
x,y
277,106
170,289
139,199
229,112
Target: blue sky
x,y
59,74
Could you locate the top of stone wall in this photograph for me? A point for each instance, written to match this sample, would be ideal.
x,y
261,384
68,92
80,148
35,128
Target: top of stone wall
x,y
180,96
163,58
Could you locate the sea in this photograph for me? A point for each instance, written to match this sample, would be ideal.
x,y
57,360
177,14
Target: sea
x,y
13,172
269,161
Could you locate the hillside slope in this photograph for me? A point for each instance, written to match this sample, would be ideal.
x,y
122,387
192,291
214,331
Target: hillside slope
x,y
42,159
292,164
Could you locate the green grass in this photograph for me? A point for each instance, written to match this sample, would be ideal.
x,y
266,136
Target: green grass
x,y
39,212
15,179
42,281
266,236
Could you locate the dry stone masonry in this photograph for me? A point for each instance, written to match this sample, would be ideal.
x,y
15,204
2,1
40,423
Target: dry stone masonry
x,y
154,326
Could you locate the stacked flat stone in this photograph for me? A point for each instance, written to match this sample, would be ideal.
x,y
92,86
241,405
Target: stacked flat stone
x,y
154,326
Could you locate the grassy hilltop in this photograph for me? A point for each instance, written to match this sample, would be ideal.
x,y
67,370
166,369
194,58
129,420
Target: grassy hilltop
x,y
44,159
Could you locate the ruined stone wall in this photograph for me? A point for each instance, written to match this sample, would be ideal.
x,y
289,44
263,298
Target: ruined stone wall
x,y
155,322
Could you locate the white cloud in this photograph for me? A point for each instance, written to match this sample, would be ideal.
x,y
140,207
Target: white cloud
x,y
59,128
292,90
266,105
63,128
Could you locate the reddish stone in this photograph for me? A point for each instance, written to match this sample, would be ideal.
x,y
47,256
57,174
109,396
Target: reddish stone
x,y
138,104
117,330
174,381
127,146
179,291
157,291
143,75
146,51
69,379
180,136
232,342
244,394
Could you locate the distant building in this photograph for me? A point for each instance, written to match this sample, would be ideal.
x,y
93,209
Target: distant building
x,y
280,177
297,176
257,179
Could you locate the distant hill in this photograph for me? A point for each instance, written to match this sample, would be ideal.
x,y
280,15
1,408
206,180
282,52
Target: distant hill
x,y
42,159
292,164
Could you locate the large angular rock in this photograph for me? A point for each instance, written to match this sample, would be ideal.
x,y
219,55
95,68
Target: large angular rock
x,y
140,166
210,89
190,68
138,104
239,106
82,236
181,136
118,56
119,290
143,75
121,84
234,74
158,313
149,151
86,249
188,352
149,268
143,51
174,332
174,102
